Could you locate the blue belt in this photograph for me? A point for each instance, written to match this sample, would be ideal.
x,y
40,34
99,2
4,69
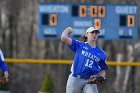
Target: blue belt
x,y
81,77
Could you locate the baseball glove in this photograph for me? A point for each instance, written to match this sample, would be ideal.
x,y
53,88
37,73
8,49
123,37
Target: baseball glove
x,y
2,81
96,79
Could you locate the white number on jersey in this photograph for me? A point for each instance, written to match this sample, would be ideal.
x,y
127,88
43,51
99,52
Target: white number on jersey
x,y
89,63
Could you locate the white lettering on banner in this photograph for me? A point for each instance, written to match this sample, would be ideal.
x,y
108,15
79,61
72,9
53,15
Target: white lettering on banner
x,y
102,32
79,31
54,9
49,31
121,32
130,32
82,23
126,9
89,55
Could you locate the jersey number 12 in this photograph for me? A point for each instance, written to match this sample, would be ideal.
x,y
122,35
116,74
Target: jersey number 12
x,y
89,63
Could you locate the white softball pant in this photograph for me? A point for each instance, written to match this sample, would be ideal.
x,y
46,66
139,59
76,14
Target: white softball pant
x,y
78,85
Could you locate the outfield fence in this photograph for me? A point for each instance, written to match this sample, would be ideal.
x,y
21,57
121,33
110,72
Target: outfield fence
x,y
60,61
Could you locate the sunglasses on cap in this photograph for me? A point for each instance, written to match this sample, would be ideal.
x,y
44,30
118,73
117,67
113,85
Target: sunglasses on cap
x,y
95,31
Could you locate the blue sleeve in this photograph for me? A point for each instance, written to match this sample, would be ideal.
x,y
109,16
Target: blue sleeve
x,y
103,65
102,62
3,66
74,45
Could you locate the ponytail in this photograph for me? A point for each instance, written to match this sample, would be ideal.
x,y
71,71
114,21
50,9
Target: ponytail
x,y
83,38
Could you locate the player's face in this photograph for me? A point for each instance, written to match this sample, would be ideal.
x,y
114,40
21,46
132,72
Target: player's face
x,y
93,35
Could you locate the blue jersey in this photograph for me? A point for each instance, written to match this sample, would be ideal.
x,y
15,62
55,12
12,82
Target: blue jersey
x,y
87,61
2,63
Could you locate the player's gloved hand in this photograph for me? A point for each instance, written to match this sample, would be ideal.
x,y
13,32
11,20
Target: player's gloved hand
x,y
97,79
3,81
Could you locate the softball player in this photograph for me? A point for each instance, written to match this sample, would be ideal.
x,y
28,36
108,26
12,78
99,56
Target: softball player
x,y
3,66
89,60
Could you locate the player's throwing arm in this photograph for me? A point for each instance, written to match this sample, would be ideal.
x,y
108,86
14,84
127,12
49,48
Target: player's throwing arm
x,y
65,34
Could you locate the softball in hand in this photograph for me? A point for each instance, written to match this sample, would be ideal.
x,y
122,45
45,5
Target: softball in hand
x,y
69,28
